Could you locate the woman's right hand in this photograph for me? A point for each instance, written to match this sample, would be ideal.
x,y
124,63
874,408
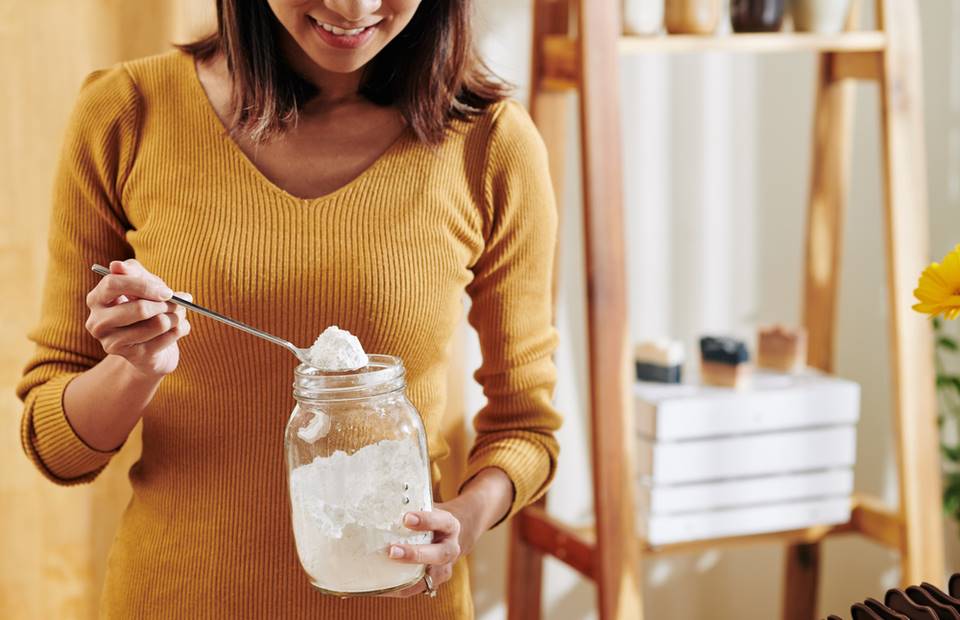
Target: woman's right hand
x,y
132,319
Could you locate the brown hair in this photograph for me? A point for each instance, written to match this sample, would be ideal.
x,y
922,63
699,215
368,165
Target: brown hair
x,y
430,71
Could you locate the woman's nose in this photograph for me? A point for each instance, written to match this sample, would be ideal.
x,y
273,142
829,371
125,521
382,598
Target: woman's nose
x,y
353,10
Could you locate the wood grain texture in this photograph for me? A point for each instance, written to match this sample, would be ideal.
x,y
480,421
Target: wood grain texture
x,y
907,229
801,581
617,563
829,185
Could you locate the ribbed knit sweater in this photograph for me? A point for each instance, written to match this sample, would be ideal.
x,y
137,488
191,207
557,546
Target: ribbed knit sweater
x,y
148,171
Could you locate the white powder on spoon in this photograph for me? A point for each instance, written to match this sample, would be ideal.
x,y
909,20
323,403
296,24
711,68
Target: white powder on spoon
x,y
337,350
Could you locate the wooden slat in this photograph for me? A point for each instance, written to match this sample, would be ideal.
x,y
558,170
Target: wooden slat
x,y
756,43
857,66
617,564
801,581
830,178
829,184
876,521
804,536
549,112
550,19
560,51
914,398
525,566
541,531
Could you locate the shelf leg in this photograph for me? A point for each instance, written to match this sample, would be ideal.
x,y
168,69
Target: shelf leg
x,y
907,230
524,575
802,582
617,565
549,112
829,183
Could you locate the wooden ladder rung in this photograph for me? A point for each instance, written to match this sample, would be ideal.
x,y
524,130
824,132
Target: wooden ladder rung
x,y
575,546
557,539
872,518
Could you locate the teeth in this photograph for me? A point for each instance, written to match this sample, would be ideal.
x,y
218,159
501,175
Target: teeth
x,y
341,32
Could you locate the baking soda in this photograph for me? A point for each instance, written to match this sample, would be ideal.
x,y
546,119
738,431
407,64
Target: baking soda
x,y
348,509
337,350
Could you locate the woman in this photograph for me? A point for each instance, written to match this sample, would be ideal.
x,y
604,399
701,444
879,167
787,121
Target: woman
x,y
314,162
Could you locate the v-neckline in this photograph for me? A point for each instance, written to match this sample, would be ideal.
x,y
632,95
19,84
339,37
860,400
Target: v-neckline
x,y
213,120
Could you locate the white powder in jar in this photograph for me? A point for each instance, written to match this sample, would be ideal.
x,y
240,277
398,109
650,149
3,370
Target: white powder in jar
x,y
337,350
348,509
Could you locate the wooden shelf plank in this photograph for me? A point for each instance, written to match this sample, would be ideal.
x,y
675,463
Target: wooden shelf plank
x,y
575,546
560,51
760,43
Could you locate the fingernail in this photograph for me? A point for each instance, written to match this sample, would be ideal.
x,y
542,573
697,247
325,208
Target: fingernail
x,y
166,293
411,519
396,552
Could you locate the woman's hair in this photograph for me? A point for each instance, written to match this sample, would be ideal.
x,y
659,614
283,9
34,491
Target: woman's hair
x,y
430,71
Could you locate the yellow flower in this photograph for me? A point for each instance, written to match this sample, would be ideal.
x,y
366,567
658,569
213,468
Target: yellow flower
x,y
939,288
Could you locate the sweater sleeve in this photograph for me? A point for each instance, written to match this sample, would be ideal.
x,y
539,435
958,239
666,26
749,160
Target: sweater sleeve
x,y
87,226
512,311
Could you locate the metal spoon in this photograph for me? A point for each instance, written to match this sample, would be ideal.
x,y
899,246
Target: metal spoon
x,y
189,305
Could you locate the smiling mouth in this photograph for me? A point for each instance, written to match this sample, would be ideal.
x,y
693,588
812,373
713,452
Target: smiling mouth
x,y
343,38
337,31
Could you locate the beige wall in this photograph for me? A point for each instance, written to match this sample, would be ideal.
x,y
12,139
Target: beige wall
x,y
54,540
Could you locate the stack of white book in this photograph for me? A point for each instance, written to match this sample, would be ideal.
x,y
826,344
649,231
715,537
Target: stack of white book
x,y
715,462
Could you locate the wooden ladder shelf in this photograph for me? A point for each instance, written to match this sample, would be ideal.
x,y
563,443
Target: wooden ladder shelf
x,y
589,62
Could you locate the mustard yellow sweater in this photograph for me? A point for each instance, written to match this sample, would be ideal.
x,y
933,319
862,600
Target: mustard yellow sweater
x,y
147,171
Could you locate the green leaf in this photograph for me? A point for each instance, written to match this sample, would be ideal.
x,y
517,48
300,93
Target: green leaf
x,y
951,494
945,342
949,381
937,324
952,453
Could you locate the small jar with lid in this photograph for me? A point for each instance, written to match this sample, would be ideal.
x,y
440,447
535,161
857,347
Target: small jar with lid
x,y
756,15
692,16
357,463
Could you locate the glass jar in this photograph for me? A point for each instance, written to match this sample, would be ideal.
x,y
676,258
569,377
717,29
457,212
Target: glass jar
x,y
756,15
692,16
356,463
820,16
642,17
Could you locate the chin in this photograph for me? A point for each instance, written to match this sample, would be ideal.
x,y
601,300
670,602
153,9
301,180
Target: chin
x,y
342,64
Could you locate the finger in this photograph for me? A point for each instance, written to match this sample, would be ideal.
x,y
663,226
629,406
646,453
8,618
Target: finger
x,y
415,589
131,267
115,285
128,314
158,344
141,332
440,574
436,554
186,297
432,521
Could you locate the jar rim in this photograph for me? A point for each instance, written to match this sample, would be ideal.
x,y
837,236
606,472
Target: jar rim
x,y
381,371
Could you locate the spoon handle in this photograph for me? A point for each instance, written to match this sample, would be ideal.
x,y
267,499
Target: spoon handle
x,y
216,316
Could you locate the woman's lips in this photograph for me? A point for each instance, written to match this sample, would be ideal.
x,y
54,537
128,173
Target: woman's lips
x,y
351,39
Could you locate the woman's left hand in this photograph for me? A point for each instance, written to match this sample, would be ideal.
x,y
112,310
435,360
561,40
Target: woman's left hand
x,y
453,536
